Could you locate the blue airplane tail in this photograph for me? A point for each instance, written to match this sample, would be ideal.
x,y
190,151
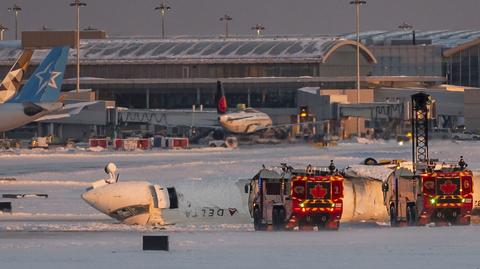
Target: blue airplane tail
x,y
46,82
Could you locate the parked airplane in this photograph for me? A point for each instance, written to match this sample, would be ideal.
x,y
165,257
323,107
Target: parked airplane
x,y
12,81
246,121
39,96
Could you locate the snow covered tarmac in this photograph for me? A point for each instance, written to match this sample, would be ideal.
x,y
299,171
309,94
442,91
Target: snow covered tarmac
x,y
351,247
64,231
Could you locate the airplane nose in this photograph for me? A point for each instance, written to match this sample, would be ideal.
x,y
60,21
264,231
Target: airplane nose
x,y
89,197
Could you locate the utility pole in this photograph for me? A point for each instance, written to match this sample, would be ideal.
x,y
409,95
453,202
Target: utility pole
x,y
78,5
163,12
357,4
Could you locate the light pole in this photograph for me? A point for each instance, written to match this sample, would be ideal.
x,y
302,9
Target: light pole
x,y
78,5
405,27
163,11
226,18
2,30
357,4
258,28
16,10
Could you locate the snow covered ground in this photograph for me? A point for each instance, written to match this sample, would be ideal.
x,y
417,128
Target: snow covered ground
x,y
63,231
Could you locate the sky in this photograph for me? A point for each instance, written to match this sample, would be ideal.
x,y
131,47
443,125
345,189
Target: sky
x,y
280,17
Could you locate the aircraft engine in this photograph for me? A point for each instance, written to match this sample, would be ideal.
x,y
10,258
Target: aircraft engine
x,y
132,202
138,203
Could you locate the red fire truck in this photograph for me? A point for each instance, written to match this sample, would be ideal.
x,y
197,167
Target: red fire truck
x,y
289,198
426,190
442,193
447,195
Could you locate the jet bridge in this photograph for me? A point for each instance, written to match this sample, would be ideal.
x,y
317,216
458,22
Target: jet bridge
x,y
385,117
384,110
166,117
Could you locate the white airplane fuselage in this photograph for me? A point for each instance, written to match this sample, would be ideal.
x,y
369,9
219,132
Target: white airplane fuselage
x,y
245,122
14,115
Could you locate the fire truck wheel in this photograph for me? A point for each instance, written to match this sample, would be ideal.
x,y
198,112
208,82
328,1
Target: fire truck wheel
x,y
257,220
393,216
278,218
411,215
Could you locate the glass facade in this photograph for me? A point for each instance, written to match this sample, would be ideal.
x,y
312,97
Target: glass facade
x,y
463,67
407,60
183,96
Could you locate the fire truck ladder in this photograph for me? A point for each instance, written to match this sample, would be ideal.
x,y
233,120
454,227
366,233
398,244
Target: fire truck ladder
x,y
419,121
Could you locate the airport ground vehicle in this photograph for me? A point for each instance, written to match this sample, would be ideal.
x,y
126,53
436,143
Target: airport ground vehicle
x,y
465,135
229,142
288,198
442,193
426,190
41,142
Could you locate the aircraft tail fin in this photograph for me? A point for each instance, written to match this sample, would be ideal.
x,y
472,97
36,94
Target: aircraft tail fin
x,y
45,83
220,99
12,81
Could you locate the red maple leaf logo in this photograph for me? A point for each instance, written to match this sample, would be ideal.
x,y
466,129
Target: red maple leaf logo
x,y
448,187
318,192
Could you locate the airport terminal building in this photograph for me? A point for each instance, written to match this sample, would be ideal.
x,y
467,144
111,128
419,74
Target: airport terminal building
x,y
178,73
265,73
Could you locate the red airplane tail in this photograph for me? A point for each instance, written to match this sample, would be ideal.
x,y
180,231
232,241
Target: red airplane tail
x,y
220,99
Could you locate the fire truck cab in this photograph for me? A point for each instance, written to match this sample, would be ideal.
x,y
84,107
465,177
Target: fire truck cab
x,y
288,198
439,193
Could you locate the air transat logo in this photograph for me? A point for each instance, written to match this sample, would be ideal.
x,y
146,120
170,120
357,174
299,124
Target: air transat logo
x,y
448,187
48,77
318,192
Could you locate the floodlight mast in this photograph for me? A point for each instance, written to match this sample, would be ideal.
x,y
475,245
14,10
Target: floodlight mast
x,y
258,29
357,4
15,10
77,4
405,27
163,8
226,18
2,30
